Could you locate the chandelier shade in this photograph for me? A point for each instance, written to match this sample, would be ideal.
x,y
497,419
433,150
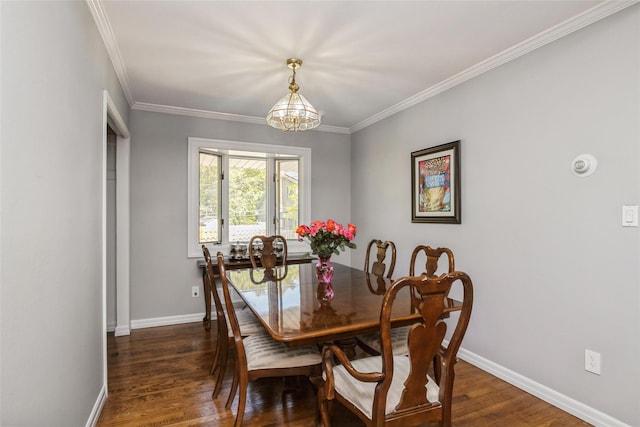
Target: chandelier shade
x,y
293,111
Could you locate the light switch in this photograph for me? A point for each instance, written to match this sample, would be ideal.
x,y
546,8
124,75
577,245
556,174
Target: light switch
x,y
629,216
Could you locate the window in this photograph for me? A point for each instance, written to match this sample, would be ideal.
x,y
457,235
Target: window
x,y
238,190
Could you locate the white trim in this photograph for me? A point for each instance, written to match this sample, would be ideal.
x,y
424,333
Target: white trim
x,y
559,400
167,321
111,114
192,112
114,114
123,237
569,26
94,416
194,145
121,331
106,32
1,257
103,236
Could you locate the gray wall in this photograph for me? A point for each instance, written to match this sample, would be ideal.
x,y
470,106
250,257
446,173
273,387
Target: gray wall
x,y
54,70
161,273
554,271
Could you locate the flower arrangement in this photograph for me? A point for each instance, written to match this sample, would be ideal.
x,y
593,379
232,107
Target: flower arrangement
x,y
327,238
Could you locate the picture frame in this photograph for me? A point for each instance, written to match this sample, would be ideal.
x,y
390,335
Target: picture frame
x,y
435,184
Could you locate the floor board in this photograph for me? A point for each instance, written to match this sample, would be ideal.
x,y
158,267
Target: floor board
x,y
159,377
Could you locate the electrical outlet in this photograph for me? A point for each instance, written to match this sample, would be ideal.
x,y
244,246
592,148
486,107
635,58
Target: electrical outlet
x,y
592,361
195,291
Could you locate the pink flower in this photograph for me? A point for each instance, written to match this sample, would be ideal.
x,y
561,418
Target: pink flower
x,y
327,238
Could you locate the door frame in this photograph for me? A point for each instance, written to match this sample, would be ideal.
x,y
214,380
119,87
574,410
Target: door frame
x,y
113,118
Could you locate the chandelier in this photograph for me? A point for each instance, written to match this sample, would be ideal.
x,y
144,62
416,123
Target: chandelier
x,y
293,111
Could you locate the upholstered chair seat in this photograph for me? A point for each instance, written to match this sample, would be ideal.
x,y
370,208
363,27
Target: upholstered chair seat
x,y
263,352
249,325
361,393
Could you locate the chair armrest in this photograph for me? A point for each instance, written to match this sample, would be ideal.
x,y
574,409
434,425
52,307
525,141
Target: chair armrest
x,y
332,349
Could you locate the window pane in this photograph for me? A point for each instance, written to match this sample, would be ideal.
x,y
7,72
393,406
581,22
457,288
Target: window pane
x,y
209,230
247,198
287,197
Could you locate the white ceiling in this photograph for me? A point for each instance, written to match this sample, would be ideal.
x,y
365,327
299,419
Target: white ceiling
x,y
363,60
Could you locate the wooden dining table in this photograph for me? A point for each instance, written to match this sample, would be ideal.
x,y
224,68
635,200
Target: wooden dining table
x,y
296,309
233,264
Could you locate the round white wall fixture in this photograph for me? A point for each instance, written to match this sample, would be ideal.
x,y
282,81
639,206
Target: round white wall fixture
x,y
584,165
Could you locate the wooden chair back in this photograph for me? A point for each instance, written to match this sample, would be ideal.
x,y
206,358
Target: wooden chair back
x,y
222,332
220,315
432,259
378,267
269,255
263,351
425,341
231,313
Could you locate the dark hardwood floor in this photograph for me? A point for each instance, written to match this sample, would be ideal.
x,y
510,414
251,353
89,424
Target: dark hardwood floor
x,y
159,377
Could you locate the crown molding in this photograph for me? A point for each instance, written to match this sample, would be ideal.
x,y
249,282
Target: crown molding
x,y
104,27
180,111
567,27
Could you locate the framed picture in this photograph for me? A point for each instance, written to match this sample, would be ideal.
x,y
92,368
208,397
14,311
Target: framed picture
x,y
435,184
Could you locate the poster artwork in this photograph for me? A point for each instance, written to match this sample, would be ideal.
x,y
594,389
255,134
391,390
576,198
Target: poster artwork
x,y
435,185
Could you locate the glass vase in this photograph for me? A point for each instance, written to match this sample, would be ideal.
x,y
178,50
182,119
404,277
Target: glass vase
x,y
324,293
324,270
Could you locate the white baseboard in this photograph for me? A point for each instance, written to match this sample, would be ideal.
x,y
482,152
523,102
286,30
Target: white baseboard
x,y
120,331
97,408
166,321
559,400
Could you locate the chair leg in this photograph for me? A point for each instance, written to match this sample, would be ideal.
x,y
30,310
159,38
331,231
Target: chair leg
x,y
222,369
322,406
242,401
214,363
216,357
234,388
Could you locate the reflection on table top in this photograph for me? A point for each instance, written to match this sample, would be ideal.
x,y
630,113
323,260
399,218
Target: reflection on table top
x,y
234,264
292,306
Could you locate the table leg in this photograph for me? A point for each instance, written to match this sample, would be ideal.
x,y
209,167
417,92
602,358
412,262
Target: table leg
x,y
348,346
206,320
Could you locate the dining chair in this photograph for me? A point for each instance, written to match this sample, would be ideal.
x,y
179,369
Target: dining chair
x,y
249,325
395,390
269,252
371,342
378,268
432,258
260,356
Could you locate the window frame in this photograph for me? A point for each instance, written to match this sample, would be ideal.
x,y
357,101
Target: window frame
x,y
195,145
